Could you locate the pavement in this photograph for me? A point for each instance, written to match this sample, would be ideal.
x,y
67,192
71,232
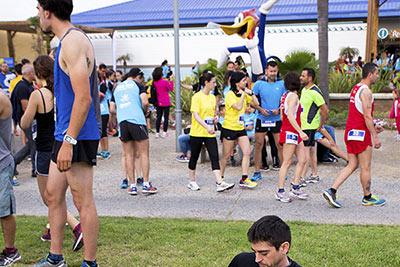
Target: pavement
x,y
175,200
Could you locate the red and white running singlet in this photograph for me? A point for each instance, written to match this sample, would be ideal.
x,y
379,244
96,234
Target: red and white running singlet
x,y
288,133
357,136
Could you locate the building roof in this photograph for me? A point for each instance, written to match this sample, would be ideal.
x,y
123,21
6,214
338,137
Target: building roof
x,y
159,13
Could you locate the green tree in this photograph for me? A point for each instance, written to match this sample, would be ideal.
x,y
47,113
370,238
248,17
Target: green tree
x,y
40,37
349,51
124,58
296,61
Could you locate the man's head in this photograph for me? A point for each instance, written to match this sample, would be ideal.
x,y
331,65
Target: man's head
x,y
270,239
4,68
102,69
51,10
307,76
370,72
118,75
28,72
271,71
18,69
25,61
230,66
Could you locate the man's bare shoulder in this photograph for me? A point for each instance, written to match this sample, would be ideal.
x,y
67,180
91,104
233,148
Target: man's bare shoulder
x,y
76,42
5,104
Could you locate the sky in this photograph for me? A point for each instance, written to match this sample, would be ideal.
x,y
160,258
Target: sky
x,y
18,10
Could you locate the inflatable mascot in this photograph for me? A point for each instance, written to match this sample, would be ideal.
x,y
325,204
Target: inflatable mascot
x,y
245,26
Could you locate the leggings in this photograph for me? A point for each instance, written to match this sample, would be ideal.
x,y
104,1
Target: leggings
x,y
160,111
196,144
274,149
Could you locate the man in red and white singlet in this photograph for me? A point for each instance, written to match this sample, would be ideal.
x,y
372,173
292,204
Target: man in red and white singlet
x,y
359,130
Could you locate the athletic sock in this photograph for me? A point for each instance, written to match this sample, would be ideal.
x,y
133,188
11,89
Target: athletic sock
x,y
244,177
146,184
281,190
133,185
296,187
10,250
333,190
91,263
368,197
54,258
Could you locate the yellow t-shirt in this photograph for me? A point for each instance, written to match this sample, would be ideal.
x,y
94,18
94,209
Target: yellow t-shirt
x,y
13,83
234,119
204,105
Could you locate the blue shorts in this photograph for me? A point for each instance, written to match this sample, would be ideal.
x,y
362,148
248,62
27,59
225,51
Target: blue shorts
x,y
7,198
42,163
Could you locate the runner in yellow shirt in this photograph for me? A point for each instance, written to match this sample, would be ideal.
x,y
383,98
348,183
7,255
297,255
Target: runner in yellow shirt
x,y
204,117
236,101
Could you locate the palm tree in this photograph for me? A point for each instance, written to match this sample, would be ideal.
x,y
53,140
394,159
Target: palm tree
x,y
349,51
40,37
124,59
323,48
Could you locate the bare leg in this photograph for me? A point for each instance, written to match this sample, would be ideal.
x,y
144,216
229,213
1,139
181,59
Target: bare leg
x,y
306,159
138,164
259,142
23,138
123,163
287,152
227,147
244,144
217,175
346,172
335,149
301,163
130,160
192,175
364,159
104,143
9,226
143,150
313,160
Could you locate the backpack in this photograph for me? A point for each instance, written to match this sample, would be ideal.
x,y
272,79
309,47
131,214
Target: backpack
x,y
153,95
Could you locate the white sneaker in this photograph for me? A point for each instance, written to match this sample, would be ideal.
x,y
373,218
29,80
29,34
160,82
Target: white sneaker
x,y
397,137
282,197
297,193
164,135
224,186
157,135
193,186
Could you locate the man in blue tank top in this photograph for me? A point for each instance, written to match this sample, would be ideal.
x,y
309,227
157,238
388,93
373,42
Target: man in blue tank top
x,y
77,131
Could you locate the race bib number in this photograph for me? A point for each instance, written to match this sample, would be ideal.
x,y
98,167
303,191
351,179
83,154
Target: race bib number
x,y
241,118
248,124
268,123
34,130
102,107
356,135
292,138
209,120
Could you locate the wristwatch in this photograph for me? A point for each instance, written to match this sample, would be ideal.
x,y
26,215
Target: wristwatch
x,y
70,140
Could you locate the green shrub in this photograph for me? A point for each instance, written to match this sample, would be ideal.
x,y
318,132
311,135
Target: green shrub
x,y
339,82
297,61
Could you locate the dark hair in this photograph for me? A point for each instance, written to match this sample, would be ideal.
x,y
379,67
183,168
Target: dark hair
x,y
206,77
271,64
270,229
102,66
18,68
368,68
133,73
62,9
165,62
292,81
310,72
25,61
44,66
120,72
229,62
227,75
157,74
235,78
207,71
109,73
222,106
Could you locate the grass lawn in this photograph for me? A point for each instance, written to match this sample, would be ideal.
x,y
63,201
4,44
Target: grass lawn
x,y
126,241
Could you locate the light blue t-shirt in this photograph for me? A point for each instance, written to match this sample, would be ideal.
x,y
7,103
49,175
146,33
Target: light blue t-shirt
x,y
397,64
250,119
269,95
104,108
226,90
128,103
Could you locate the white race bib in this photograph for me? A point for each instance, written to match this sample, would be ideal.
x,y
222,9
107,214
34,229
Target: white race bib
x,y
248,124
292,138
241,118
209,120
356,135
265,123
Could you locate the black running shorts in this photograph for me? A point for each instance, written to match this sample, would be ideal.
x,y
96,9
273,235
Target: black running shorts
x,y
133,132
83,151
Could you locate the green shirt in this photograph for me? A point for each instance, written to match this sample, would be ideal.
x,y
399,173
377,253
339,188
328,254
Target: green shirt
x,y
311,99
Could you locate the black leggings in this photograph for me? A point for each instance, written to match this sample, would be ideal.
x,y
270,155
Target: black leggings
x,y
274,149
160,111
196,144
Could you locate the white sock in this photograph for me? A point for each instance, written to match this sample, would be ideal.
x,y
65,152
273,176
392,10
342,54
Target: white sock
x,y
146,184
133,185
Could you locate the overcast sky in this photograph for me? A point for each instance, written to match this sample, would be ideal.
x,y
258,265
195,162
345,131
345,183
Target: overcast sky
x,y
11,10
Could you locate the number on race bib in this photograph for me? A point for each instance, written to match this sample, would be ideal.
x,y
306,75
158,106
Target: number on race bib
x,y
292,138
268,123
356,135
209,120
241,118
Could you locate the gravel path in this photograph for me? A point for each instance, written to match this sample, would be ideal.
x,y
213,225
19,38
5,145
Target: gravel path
x,y
174,200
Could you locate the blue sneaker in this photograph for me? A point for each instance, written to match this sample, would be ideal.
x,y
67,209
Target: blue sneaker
x,y
124,184
149,189
139,181
132,190
85,264
373,201
105,154
15,181
257,176
331,198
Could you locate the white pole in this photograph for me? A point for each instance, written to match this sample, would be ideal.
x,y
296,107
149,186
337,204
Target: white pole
x,y
178,110
114,49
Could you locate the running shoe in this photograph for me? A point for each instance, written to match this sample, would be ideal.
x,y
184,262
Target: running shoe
x,y
182,158
303,183
257,176
282,197
192,185
105,155
132,190
224,186
15,181
164,135
85,264
46,236
139,181
331,198
45,263
373,201
7,259
297,193
312,179
157,135
247,184
98,155
78,243
265,168
397,137
124,184
149,189
276,164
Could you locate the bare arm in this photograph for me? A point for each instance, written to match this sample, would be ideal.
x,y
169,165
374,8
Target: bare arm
x,y
324,114
113,109
239,105
292,102
188,87
5,106
209,128
145,101
325,133
366,100
30,111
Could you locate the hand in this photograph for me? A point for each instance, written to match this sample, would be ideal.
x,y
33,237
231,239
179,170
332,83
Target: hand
x,y
378,128
210,129
248,91
264,112
216,119
64,158
304,136
377,142
275,111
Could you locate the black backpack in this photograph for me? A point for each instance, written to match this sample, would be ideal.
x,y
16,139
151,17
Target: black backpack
x,y
153,95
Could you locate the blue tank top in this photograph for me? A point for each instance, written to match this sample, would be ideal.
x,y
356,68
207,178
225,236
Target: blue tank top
x,y
64,99
128,103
